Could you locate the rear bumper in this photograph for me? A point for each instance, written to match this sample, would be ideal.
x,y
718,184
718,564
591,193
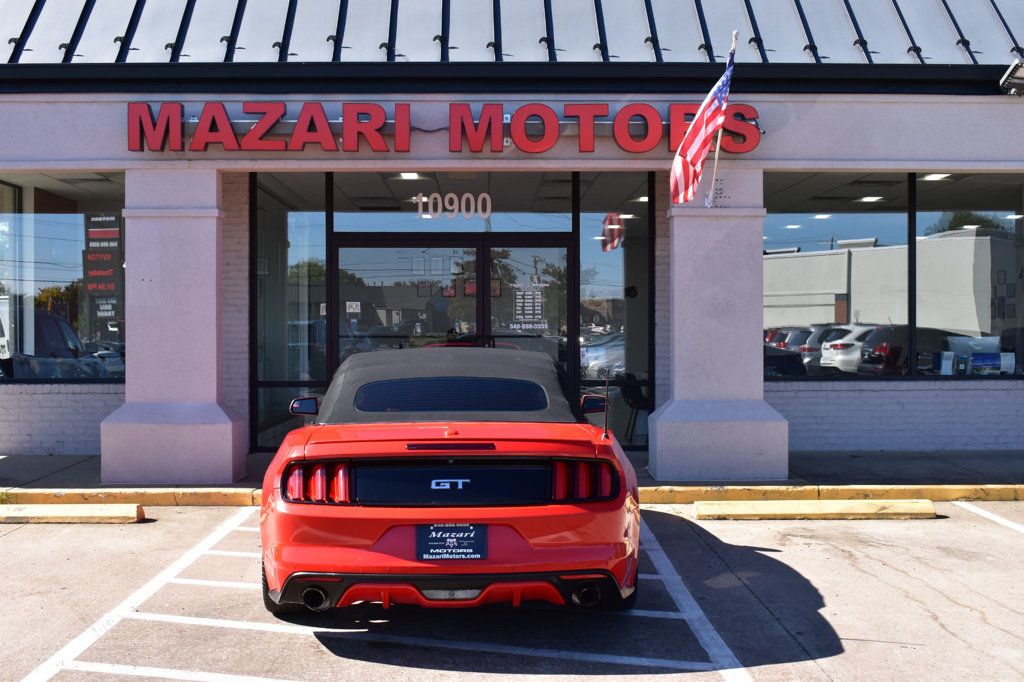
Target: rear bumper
x,y
359,553
428,590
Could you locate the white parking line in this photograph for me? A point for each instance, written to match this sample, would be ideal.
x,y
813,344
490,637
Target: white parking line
x,y
227,552
216,583
990,516
648,576
721,655
161,673
248,529
361,635
75,647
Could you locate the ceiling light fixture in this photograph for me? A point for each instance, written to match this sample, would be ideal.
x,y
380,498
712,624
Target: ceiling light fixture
x,y
641,199
932,177
869,200
1015,216
626,216
823,216
970,227
409,176
792,227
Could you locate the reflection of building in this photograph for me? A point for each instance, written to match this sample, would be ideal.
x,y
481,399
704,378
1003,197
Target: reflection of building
x,y
961,284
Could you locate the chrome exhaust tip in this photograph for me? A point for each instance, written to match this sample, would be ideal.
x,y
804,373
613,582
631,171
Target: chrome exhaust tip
x,y
315,599
586,595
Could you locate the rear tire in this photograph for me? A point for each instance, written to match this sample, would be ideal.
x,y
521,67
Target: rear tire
x,y
272,606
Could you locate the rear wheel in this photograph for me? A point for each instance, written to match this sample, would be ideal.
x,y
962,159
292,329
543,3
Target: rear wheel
x,y
272,606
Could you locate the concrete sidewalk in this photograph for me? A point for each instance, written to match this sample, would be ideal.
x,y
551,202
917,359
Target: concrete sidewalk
x,y
813,475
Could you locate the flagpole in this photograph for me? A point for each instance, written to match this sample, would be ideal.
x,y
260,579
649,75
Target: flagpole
x,y
709,198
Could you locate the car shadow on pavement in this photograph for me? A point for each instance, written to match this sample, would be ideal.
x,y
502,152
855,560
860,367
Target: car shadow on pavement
x,y
765,611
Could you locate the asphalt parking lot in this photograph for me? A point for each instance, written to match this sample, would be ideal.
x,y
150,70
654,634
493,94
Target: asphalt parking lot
x,y
178,598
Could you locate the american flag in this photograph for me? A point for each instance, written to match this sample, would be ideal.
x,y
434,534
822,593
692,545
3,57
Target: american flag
x,y
611,231
700,136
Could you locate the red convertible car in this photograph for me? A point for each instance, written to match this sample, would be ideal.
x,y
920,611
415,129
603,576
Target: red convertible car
x,y
449,477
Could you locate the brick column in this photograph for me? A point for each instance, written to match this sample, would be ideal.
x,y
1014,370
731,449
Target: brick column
x,y
715,424
173,427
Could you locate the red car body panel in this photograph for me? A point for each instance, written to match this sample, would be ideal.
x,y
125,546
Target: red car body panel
x,y
579,538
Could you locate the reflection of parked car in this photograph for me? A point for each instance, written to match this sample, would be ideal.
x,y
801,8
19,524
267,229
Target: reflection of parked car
x,y
58,353
1012,341
779,362
605,356
810,349
841,346
885,349
777,336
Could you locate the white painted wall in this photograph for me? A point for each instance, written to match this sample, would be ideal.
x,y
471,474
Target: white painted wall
x,y
55,419
918,415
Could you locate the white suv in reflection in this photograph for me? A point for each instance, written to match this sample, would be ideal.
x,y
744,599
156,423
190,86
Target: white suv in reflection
x,y
840,347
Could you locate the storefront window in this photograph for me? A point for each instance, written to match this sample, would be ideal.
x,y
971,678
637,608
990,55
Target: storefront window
x,y
62,277
291,262
291,305
835,274
615,296
970,274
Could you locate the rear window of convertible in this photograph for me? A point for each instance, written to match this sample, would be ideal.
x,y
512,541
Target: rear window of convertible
x,y
451,394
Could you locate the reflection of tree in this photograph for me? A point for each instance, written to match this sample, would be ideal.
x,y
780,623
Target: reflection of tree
x,y
59,298
310,271
955,220
4,291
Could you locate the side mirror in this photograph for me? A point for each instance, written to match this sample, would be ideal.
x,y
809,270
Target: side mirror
x,y
304,406
593,403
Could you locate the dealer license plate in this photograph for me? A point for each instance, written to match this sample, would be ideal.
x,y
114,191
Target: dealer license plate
x,y
451,541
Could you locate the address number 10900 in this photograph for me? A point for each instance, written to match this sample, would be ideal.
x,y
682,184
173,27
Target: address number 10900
x,y
451,205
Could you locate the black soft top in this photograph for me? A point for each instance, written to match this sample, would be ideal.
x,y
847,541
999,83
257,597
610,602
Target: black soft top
x,y
391,365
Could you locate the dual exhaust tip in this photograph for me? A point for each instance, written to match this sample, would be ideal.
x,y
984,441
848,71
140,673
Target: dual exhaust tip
x,y
586,595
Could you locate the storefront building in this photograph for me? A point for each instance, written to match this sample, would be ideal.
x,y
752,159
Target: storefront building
x,y
206,206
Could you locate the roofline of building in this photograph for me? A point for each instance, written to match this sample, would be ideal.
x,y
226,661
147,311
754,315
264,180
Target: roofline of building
x,y
496,77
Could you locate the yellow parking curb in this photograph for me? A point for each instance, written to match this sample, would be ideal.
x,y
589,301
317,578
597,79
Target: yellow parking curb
x,y
71,513
151,497
750,510
687,494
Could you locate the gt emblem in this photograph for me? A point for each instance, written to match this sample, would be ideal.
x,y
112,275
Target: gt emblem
x,y
448,483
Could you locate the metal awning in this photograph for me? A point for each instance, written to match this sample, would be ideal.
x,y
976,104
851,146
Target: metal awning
x,y
953,32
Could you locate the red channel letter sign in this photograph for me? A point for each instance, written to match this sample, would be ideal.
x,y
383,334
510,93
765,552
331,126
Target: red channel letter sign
x,y
362,127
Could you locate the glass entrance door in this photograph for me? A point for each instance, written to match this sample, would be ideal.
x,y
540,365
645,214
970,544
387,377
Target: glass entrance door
x,y
528,305
465,293
406,297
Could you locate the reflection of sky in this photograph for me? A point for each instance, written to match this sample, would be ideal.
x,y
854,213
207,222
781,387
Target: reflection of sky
x,y
814,234
40,250
820,234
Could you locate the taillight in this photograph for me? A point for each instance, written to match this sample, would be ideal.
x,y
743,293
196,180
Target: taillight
x,y
323,483
881,349
840,346
779,344
809,349
583,481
